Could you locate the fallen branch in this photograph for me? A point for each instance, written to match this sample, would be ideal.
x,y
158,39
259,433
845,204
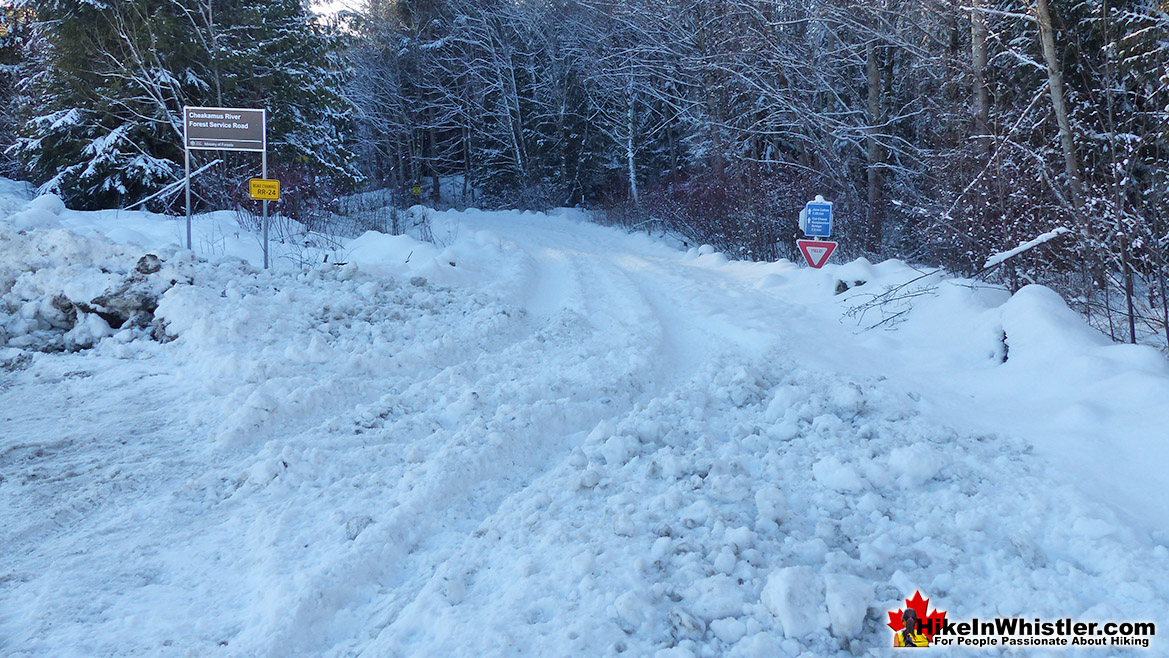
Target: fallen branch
x,y
895,302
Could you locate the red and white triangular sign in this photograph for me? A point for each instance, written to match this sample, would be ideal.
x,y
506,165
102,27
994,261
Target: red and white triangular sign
x,y
816,252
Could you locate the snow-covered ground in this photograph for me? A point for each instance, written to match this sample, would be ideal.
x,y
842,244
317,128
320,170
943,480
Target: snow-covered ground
x,y
546,438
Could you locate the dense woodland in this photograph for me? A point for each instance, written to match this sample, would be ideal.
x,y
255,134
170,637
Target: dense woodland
x,y
944,131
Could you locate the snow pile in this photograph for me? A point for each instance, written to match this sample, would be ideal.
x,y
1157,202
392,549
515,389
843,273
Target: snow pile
x,y
686,528
276,345
1025,364
59,291
14,196
1040,329
42,212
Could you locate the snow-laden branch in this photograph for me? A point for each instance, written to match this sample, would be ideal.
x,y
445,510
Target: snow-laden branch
x,y
998,258
175,185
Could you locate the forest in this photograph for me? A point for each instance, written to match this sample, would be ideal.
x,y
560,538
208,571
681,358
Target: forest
x,y
944,131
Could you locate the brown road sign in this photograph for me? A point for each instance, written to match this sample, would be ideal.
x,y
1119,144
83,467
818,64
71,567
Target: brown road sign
x,y
224,129
264,189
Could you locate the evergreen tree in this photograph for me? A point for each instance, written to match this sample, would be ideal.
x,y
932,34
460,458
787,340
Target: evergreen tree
x,y
98,116
14,43
103,117
277,55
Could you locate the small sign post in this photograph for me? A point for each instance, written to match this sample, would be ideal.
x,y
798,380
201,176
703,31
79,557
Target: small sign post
x,y
263,189
226,129
816,252
816,218
816,222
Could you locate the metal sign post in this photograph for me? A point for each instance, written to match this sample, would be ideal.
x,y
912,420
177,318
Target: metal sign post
x,y
225,129
264,174
263,189
187,163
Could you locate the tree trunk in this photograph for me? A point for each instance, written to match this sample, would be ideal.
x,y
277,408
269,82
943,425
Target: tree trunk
x,y
435,182
673,147
511,108
1058,99
216,56
1164,299
716,138
710,38
400,173
1108,309
467,200
874,149
1128,293
629,153
979,61
1123,241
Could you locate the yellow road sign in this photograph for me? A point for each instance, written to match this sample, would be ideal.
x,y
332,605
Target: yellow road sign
x,y
417,189
264,189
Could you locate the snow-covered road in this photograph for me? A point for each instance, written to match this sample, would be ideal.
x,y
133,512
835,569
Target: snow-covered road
x,y
570,442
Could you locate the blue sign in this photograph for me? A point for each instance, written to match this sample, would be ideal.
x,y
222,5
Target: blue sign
x,y
819,219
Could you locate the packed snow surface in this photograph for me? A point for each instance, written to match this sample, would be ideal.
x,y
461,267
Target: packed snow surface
x,y
546,438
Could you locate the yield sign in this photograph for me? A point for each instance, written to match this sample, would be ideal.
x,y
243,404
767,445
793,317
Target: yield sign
x,y
816,252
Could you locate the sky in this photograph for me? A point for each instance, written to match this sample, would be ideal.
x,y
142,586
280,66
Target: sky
x,y
329,6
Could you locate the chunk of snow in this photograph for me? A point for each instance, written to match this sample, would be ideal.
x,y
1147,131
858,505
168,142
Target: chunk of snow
x,y
795,595
915,465
771,508
634,608
848,598
836,474
729,630
1041,329
88,331
759,645
716,597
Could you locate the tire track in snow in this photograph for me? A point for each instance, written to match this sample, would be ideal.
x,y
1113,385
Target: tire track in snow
x,y
142,502
591,357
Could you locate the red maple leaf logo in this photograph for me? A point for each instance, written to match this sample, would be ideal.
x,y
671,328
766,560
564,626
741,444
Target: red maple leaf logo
x,y
930,623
